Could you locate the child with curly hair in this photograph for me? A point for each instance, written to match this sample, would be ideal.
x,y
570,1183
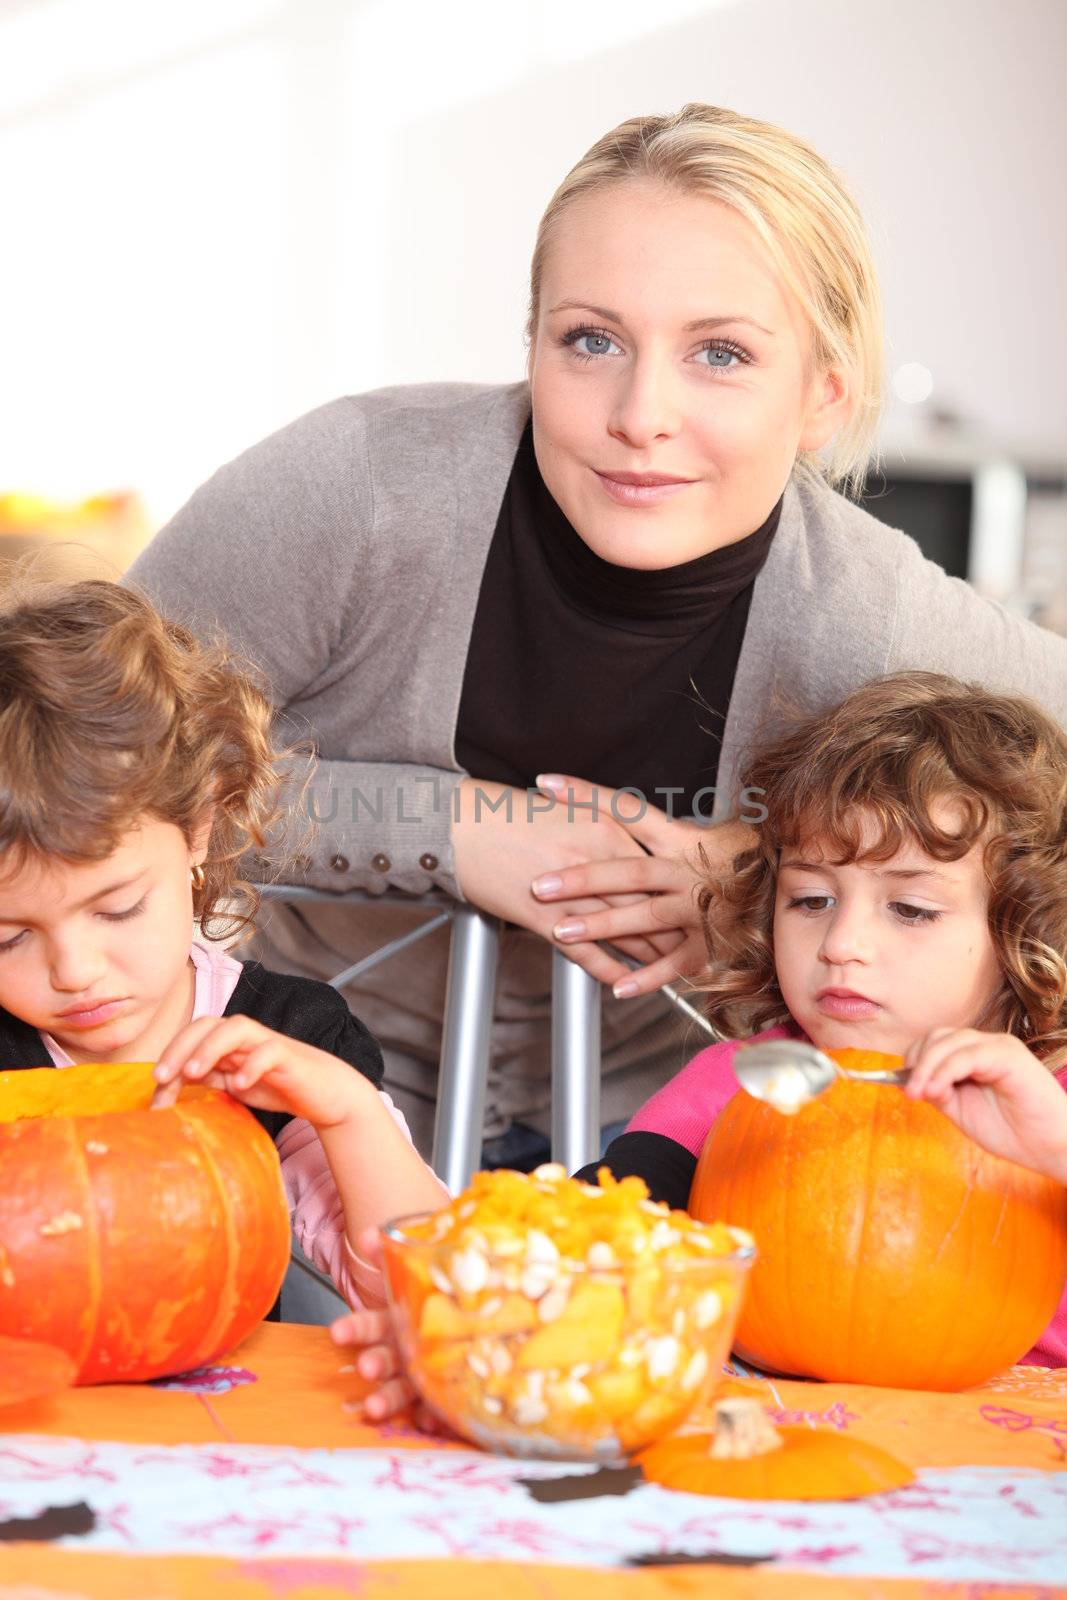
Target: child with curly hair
x,y
906,892
136,767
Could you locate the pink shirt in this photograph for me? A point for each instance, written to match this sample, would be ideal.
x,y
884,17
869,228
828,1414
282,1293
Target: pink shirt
x,y
685,1109
314,1204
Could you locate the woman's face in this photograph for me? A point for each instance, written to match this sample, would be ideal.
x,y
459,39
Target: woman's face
x,y
671,376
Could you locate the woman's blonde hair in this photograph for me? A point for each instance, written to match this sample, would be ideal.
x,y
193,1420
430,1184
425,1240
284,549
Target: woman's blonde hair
x,y
803,213
889,754
108,713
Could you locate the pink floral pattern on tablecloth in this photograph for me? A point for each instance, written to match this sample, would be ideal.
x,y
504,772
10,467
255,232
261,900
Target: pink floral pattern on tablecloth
x,y
260,1504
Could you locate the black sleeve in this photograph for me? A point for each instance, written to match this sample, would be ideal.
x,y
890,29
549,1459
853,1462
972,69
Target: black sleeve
x,y
305,1009
21,1046
666,1166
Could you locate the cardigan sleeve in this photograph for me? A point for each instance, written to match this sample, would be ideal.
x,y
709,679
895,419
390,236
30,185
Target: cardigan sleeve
x,y
944,625
355,816
276,554
267,552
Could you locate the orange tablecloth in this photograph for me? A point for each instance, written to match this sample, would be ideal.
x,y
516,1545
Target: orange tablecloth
x,y
291,1388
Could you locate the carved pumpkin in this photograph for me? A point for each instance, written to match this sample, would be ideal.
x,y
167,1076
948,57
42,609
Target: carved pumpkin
x,y
892,1249
140,1242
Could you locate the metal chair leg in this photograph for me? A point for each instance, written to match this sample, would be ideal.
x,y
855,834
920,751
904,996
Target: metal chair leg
x,y
575,1064
457,1139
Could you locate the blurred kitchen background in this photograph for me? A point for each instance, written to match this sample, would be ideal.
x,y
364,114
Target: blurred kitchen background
x,y
219,213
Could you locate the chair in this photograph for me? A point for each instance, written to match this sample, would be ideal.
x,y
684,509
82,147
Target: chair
x,y
308,1296
464,1068
466,1030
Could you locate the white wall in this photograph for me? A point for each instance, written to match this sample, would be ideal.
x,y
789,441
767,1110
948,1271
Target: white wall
x,y
220,212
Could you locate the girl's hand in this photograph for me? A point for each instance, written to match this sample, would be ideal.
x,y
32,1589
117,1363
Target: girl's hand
x,y
261,1068
376,1168
651,895
378,1360
997,1091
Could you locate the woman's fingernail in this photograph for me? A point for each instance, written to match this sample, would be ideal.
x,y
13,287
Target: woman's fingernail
x,y
573,928
552,781
624,988
551,884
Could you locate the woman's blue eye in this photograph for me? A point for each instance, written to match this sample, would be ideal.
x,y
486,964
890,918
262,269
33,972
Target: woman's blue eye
x,y
721,357
590,342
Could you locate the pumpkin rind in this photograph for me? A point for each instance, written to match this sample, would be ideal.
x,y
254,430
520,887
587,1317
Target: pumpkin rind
x,y
892,1249
141,1242
812,1464
29,1371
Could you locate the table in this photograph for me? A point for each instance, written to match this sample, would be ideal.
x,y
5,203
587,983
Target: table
x,y
257,1479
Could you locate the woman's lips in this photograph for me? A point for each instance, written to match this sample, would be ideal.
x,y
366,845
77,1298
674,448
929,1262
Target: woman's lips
x,y
91,1016
845,1005
640,488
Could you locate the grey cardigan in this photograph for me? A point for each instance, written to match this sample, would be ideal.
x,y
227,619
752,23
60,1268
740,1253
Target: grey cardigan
x,y
344,556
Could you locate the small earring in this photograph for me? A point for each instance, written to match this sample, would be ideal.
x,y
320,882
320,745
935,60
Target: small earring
x,y
196,874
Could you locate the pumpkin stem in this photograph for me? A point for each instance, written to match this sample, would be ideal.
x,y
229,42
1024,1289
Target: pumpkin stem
x,y
742,1431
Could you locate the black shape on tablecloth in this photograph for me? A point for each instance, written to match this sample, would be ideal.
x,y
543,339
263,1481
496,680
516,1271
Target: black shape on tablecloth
x,y
54,1522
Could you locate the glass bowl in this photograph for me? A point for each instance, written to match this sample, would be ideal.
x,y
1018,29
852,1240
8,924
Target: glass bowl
x,y
561,1359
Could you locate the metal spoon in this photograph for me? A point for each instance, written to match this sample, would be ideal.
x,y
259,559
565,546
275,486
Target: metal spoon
x,y
788,1074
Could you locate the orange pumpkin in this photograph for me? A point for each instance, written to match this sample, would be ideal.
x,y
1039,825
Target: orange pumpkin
x,y
892,1249
140,1242
29,1371
810,1464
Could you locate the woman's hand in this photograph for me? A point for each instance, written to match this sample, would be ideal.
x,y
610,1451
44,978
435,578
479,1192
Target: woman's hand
x,y
503,838
262,1068
649,895
997,1091
378,1359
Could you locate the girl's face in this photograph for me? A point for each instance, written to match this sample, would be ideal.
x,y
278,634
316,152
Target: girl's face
x,y
877,953
97,955
670,374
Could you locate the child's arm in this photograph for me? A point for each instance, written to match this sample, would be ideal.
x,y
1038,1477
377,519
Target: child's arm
x,y
377,1171
997,1091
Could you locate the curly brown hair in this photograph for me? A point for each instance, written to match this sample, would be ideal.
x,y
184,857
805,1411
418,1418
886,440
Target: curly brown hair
x,y
109,712
885,755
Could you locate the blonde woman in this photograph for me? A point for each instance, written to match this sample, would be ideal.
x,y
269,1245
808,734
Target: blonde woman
x,y
618,572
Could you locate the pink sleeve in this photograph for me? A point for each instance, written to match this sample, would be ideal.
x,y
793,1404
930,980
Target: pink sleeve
x,y
318,1216
685,1108
1051,1349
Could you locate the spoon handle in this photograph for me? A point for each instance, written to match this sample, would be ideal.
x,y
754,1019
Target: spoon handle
x,y
899,1075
